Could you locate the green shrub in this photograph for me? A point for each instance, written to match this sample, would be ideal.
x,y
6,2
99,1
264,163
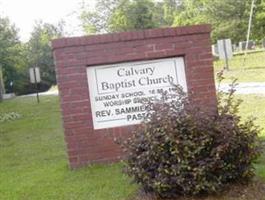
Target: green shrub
x,y
181,149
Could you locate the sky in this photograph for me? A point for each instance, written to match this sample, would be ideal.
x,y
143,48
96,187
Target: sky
x,y
24,14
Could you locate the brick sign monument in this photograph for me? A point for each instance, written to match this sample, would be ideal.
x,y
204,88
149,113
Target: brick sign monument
x,y
103,80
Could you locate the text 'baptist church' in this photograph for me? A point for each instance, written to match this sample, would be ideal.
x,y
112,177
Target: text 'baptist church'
x,y
117,91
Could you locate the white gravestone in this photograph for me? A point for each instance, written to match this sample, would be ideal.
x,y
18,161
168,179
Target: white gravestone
x,y
225,49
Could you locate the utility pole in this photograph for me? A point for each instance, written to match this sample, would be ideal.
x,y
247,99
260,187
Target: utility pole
x,y
34,71
36,84
2,88
249,29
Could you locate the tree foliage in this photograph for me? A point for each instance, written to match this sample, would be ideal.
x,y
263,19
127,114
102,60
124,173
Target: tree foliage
x,y
169,10
259,20
131,15
229,18
10,51
16,57
39,52
98,20
191,12
124,15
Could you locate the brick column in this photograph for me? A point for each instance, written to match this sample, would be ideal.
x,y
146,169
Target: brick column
x,y
73,55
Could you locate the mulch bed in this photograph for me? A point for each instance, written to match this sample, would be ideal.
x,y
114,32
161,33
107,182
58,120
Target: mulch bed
x,y
252,191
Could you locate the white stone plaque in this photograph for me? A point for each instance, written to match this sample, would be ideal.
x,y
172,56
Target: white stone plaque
x,y
117,90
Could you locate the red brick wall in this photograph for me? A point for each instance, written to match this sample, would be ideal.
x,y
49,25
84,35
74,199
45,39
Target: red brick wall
x,y
73,55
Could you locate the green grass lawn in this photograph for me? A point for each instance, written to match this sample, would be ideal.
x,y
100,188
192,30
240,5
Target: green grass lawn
x,y
254,105
33,162
252,71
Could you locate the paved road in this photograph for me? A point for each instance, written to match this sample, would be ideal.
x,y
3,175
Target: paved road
x,y
53,92
48,93
247,88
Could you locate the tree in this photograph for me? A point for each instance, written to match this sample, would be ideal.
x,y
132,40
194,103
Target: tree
x,y
39,52
133,15
97,21
20,82
124,15
16,57
259,20
191,12
229,18
169,10
9,52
